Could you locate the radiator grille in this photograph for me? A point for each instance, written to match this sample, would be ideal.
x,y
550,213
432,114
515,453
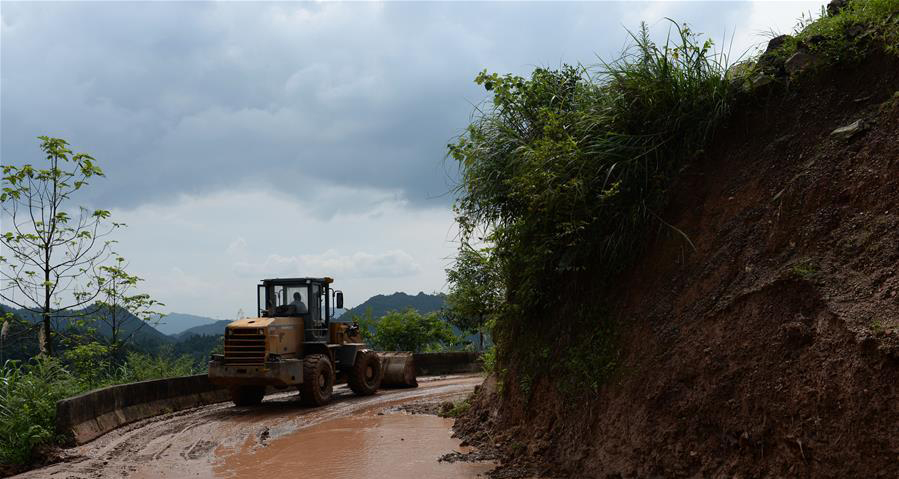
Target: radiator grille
x,y
245,346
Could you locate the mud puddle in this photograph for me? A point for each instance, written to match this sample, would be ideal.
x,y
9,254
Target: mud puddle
x,y
395,445
198,443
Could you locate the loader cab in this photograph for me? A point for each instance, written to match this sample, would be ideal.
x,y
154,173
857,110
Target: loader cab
x,y
280,297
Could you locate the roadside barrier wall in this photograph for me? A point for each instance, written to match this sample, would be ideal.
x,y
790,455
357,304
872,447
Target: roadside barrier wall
x,y
433,364
97,412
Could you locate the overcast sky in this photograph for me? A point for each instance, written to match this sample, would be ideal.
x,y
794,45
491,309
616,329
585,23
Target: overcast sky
x,y
250,140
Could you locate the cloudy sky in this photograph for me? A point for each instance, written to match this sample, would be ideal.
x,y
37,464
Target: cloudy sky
x,y
250,140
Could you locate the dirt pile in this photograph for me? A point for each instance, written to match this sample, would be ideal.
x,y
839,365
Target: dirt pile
x,y
772,348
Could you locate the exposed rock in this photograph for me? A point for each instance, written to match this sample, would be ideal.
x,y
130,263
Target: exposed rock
x,y
769,60
776,43
761,80
800,61
836,6
848,131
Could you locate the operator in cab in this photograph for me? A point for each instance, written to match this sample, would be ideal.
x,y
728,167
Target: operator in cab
x,y
297,306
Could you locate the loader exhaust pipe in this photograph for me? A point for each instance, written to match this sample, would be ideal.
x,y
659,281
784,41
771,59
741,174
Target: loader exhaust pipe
x,y
398,370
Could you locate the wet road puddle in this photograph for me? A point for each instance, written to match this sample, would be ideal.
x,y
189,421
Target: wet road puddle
x,y
396,446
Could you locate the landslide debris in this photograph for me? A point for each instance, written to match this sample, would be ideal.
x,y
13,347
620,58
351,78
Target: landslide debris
x,y
759,334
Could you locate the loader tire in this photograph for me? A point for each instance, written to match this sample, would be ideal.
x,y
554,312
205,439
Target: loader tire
x,y
318,380
247,395
365,377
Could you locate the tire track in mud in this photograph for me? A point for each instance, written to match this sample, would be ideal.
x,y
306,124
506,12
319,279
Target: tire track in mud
x,y
188,443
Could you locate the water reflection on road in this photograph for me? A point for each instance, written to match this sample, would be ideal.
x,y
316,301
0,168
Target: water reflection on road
x,y
396,446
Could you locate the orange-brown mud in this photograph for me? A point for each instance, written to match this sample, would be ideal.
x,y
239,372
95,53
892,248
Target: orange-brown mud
x,y
351,437
397,445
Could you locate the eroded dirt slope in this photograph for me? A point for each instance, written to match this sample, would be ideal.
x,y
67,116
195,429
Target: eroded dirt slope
x,y
772,349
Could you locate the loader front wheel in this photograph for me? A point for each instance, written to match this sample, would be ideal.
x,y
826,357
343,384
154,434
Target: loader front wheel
x,y
318,380
247,395
365,377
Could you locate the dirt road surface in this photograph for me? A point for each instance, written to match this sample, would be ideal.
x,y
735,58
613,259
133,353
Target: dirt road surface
x,y
359,437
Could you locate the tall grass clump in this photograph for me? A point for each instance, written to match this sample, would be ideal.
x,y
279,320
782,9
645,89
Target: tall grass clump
x,y
565,171
28,395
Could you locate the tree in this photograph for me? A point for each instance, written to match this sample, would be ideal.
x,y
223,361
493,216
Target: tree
x,y
119,306
476,290
408,331
55,251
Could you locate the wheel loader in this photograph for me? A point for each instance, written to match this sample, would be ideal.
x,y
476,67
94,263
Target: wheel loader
x,y
295,342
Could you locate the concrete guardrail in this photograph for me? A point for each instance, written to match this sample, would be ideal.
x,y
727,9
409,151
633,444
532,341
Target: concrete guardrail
x,y
97,412
434,364
92,414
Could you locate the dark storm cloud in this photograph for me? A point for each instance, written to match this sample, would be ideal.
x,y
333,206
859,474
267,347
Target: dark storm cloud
x,y
193,97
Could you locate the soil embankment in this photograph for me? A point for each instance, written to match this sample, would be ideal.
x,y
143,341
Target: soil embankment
x,y
772,348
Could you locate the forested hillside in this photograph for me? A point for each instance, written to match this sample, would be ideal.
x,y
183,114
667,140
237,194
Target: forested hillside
x,y
382,304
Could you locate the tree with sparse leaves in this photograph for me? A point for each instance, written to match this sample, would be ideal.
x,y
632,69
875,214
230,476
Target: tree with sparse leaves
x,y
52,250
118,305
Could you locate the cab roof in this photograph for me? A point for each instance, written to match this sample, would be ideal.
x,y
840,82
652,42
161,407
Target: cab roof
x,y
297,280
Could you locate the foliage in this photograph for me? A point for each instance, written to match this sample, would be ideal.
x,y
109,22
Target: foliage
x,y
408,331
844,37
458,408
29,391
489,360
119,305
28,395
55,251
143,366
566,171
199,347
90,363
476,291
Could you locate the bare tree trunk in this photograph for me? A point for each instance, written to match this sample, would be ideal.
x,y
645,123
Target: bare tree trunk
x,y
46,342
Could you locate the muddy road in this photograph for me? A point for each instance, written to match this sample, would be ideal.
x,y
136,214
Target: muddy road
x,y
352,437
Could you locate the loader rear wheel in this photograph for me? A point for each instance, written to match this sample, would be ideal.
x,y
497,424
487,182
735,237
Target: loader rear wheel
x,y
365,377
247,395
318,380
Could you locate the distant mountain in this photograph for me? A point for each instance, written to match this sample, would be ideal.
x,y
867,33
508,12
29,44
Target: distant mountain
x,y
175,323
143,332
212,329
382,304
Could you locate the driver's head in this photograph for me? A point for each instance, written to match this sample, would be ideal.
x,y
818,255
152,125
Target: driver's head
x,y
296,296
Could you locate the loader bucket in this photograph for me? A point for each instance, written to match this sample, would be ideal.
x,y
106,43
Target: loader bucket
x,y
398,370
